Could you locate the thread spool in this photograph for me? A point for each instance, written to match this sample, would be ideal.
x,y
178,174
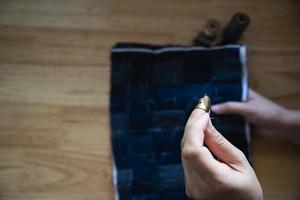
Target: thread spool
x,y
211,28
235,28
209,33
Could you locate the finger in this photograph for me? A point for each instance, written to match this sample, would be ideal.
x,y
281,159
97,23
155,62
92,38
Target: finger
x,y
193,151
230,108
221,147
201,160
194,129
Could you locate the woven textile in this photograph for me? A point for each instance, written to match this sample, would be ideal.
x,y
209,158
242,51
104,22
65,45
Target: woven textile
x,y
153,91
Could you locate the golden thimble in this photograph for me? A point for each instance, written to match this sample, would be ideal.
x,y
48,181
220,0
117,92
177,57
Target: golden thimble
x,y
204,103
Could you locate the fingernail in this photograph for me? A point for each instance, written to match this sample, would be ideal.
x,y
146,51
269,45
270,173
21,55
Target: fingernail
x,y
215,108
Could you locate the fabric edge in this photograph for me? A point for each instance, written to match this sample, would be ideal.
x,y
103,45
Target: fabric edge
x,y
162,49
245,90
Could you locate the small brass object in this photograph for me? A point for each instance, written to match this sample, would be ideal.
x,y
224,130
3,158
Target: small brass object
x,y
204,103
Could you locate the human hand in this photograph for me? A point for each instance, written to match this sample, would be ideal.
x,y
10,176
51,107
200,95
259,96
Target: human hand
x,y
228,177
269,118
257,110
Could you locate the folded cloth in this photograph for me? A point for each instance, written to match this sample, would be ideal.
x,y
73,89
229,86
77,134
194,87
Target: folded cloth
x,y
153,91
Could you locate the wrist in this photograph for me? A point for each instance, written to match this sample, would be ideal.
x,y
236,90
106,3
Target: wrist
x,y
290,119
289,124
282,118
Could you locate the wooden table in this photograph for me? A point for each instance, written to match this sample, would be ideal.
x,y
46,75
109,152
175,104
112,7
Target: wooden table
x,y
54,86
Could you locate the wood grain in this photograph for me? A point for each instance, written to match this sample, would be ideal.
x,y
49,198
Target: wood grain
x,y
54,86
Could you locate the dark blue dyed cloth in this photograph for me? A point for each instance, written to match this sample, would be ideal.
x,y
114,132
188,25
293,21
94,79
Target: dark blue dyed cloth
x,y
153,91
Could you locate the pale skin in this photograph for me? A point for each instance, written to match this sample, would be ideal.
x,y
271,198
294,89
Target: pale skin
x,y
231,176
271,120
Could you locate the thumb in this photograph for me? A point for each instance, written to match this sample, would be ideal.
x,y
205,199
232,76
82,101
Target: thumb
x,y
221,147
231,108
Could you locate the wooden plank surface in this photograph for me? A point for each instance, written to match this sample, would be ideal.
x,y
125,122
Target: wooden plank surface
x,y
54,86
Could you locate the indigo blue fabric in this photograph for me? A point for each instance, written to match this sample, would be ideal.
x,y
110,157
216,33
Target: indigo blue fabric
x,y
153,91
